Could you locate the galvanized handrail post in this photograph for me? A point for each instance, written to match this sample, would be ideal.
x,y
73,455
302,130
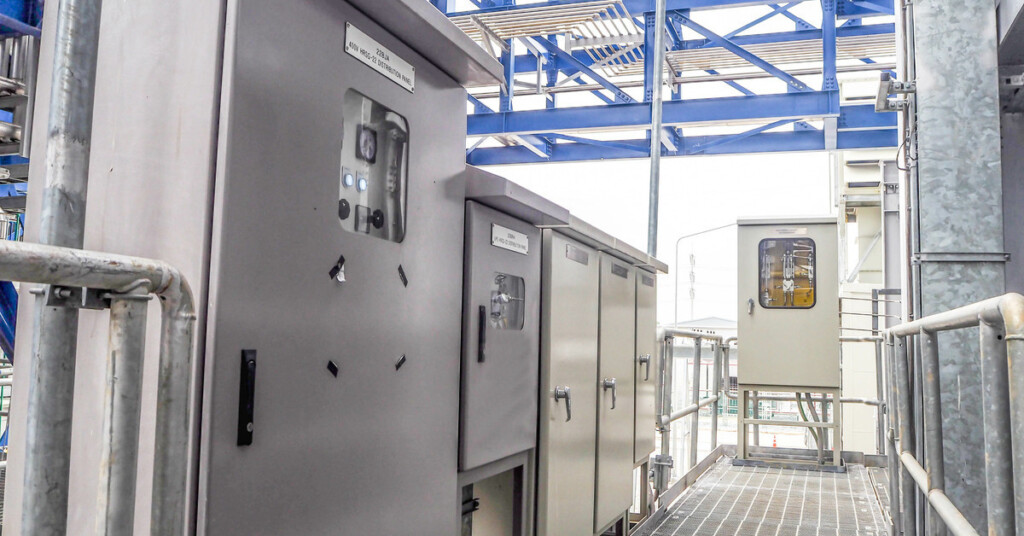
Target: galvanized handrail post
x,y
51,369
891,452
716,389
48,265
695,399
122,410
906,443
1013,324
996,416
932,410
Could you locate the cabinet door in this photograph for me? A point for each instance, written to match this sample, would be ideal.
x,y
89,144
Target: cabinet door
x,y
616,345
646,371
566,447
500,337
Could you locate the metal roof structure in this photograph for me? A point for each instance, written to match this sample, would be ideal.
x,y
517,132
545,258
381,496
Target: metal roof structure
x,y
588,61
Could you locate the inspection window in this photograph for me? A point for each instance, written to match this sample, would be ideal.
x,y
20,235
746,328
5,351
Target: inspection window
x,y
508,302
787,273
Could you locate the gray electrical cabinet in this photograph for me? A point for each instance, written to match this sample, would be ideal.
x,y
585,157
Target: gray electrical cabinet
x,y
500,337
788,310
646,372
567,452
592,345
616,361
322,230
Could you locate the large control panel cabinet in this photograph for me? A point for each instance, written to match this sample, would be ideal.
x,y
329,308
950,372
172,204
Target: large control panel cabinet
x,y
303,163
788,306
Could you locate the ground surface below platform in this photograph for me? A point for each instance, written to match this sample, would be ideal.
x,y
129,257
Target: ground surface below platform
x,y
762,501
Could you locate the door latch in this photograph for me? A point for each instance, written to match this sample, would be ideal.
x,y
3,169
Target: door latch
x,y
562,393
750,306
609,383
646,361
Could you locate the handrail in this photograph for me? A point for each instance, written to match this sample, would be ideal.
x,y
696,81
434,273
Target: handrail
x,y
1001,323
663,461
125,277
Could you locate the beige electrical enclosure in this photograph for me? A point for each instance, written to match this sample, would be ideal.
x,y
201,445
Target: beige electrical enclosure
x,y
788,303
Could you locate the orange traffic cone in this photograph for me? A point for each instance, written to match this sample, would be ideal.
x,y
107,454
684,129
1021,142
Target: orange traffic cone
x,y
775,442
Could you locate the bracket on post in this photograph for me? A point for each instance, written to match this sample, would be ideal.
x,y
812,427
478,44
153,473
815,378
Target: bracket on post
x,y
76,297
887,86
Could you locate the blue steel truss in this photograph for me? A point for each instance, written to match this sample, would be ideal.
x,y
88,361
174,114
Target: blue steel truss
x,y
544,54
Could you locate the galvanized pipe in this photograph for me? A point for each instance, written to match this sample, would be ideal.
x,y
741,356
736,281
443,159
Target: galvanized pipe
x,y
998,445
695,399
906,439
36,263
1012,312
716,389
891,451
122,410
946,510
658,57
932,408
665,419
51,369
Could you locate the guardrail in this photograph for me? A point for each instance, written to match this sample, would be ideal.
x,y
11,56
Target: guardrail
x,y
663,461
1001,323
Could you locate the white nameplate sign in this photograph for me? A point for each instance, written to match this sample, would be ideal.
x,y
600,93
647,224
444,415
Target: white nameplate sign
x,y
509,239
365,49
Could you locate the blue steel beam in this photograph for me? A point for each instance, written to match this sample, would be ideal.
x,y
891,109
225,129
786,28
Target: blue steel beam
x,y
554,50
776,9
527,63
851,9
736,49
803,105
766,142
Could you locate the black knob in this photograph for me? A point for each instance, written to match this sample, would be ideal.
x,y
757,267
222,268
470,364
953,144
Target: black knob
x,y
344,209
377,218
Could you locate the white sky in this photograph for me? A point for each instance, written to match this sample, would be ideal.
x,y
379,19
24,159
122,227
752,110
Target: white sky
x,y
697,193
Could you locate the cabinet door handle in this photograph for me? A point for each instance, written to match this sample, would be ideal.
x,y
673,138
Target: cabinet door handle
x,y
609,383
482,332
562,393
646,361
750,306
246,398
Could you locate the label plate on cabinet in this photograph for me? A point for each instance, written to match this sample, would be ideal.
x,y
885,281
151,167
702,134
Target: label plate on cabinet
x,y
506,238
365,49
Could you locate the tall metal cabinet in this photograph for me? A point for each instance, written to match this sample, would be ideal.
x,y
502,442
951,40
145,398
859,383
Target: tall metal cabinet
x,y
567,452
616,359
646,371
323,233
591,346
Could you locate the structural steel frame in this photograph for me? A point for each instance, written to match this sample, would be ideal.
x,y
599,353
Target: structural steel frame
x,y
773,122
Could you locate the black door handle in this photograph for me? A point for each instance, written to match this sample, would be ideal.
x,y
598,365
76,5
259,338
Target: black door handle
x,y
246,397
481,353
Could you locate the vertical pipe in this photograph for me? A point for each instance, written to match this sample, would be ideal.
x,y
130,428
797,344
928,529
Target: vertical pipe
x,y
894,460
716,390
1015,360
656,109
173,455
1013,317
879,387
695,399
932,408
122,409
998,446
664,459
755,401
62,223
907,440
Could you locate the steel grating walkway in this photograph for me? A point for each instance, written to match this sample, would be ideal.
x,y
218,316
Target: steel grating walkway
x,y
760,501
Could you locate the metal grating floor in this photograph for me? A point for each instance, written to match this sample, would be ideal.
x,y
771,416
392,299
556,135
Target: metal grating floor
x,y
761,501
